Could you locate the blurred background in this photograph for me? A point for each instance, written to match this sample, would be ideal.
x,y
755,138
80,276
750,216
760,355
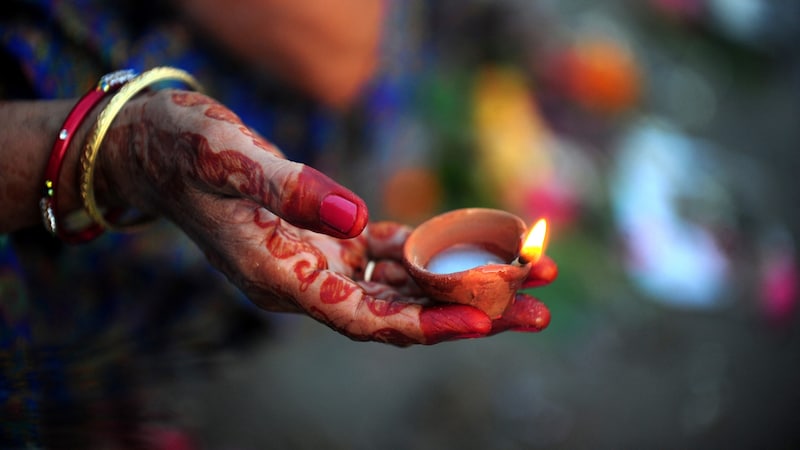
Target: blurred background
x,y
659,137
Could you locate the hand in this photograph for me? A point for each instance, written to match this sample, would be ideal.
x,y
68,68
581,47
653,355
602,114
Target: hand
x,y
260,219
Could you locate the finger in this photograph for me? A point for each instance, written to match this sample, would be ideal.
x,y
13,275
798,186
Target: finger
x,y
344,306
442,323
542,273
308,199
237,162
385,240
526,313
388,272
386,292
393,275
229,159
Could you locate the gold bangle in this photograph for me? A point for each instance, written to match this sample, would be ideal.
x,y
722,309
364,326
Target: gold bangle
x,y
101,127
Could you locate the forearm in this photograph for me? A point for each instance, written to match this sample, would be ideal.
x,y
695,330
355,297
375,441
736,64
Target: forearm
x,y
28,130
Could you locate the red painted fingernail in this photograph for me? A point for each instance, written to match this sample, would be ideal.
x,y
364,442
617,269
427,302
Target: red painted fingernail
x,y
338,213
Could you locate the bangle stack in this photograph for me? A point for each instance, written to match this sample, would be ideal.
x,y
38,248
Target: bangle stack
x,y
125,85
98,133
49,201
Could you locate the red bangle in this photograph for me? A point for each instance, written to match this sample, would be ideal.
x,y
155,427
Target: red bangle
x,y
49,201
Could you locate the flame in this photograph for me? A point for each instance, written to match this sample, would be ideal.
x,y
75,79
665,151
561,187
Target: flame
x,y
535,243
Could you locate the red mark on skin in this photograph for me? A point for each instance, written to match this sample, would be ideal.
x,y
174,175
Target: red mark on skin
x,y
444,323
335,290
219,112
147,137
220,168
307,273
191,99
267,221
384,308
282,246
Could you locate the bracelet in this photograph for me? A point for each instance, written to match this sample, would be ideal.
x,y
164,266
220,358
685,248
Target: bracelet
x,y
101,127
48,204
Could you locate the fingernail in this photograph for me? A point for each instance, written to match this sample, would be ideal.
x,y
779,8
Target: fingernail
x,y
338,213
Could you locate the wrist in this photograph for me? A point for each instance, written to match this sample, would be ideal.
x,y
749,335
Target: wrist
x,y
139,155
116,159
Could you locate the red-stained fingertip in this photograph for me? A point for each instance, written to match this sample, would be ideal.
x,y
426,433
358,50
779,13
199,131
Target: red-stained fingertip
x,y
542,273
527,314
451,322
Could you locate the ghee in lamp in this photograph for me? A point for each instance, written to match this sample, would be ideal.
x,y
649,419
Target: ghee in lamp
x,y
462,257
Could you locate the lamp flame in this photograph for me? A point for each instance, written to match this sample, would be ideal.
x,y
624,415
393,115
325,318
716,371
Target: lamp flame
x,y
535,243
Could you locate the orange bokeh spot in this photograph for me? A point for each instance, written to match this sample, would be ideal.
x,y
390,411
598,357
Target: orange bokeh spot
x,y
600,74
411,195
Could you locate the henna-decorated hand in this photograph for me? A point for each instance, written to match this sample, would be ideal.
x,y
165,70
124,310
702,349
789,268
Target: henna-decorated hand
x,y
260,219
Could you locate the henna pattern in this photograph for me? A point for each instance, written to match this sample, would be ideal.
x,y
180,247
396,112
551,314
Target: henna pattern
x,y
314,182
264,220
306,273
335,290
282,244
189,99
387,335
385,307
219,112
387,313
260,142
219,168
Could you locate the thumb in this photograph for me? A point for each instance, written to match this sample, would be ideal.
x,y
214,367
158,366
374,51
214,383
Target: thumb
x,y
311,200
305,197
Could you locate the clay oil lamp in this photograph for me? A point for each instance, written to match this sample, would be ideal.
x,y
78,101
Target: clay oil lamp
x,y
474,256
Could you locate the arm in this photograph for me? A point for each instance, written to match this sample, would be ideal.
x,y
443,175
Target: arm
x,y
289,237
27,132
267,224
